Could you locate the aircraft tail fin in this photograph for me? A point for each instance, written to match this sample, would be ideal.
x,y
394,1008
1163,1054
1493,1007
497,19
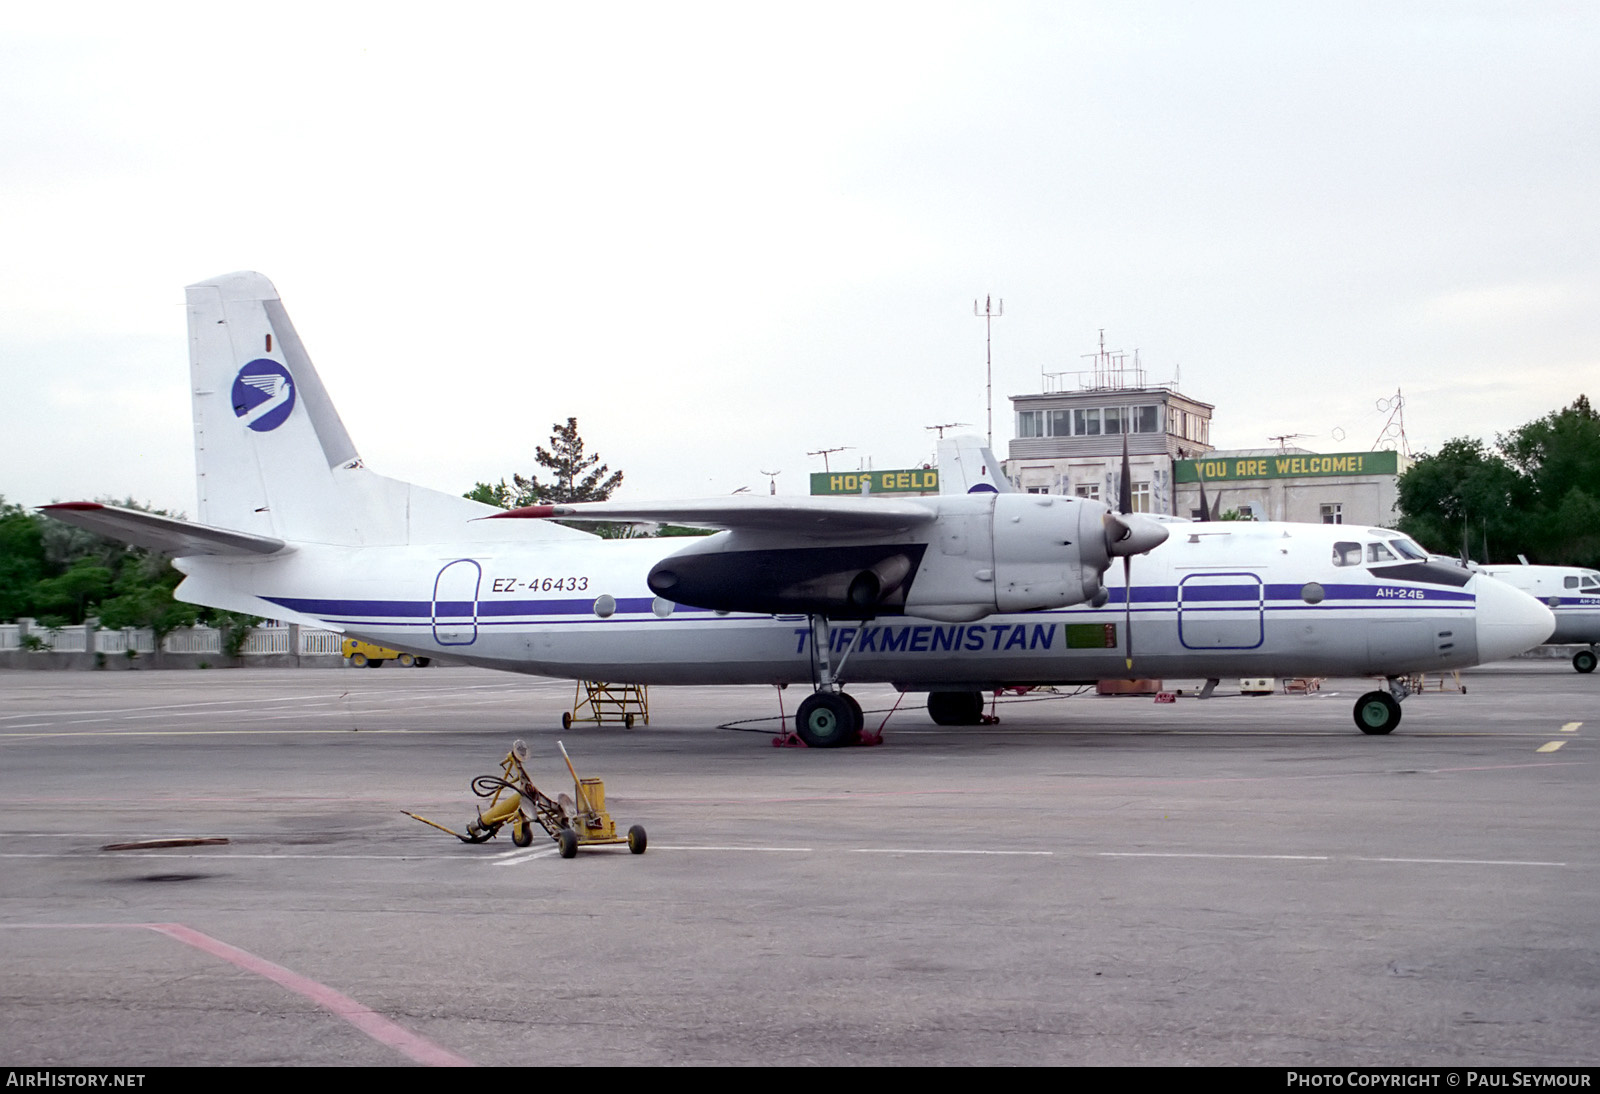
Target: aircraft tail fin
x,y
273,458
966,466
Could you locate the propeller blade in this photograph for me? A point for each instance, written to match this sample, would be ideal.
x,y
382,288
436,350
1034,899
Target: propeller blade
x,y
1125,493
1127,607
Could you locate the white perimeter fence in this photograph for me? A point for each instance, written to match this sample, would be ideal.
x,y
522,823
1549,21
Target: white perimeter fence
x,y
261,640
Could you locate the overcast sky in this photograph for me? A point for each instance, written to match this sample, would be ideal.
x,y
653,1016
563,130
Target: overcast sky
x,y
724,235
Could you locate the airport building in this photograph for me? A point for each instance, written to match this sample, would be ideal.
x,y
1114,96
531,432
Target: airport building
x,y
1069,439
1294,484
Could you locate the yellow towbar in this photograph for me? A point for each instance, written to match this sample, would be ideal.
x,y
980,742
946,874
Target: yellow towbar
x,y
579,821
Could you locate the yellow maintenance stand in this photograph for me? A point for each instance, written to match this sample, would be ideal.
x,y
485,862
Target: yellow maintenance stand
x,y
579,821
599,702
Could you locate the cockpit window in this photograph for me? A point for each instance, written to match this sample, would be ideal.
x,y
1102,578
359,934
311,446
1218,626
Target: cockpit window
x,y
1347,554
1377,552
1570,582
1591,582
1409,549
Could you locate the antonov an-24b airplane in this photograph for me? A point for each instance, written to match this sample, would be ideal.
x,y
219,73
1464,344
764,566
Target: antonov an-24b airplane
x,y
953,594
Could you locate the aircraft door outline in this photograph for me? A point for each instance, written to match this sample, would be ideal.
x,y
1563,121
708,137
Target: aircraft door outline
x,y
1222,611
455,603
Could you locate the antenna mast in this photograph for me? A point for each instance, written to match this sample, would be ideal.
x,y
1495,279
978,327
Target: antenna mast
x,y
826,452
992,310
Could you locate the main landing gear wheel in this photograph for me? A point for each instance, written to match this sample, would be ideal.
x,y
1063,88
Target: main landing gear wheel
x,y
1377,713
956,708
828,720
1584,660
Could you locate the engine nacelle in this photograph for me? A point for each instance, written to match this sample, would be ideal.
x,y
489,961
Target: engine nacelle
x,y
1049,552
980,554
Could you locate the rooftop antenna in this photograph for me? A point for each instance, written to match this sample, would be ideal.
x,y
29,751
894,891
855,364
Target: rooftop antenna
x,y
1284,439
1394,430
772,479
826,452
941,428
992,310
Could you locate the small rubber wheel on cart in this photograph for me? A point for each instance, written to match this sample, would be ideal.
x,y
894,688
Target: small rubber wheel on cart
x,y
521,833
627,721
636,839
406,660
568,842
566,719
358,660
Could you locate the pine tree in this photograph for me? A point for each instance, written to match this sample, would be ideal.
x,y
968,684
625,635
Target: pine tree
x,y
573,475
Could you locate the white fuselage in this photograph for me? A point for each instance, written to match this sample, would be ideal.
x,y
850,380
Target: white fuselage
x,y
1214,600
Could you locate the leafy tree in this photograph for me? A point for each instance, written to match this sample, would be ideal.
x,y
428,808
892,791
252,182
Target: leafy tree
x,y
1464,495
22,560
144,599
61,574
498,494
1559,457
573,475
1534,494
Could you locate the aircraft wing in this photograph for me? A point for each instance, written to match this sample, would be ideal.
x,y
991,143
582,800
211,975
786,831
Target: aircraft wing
x,y
808,516
177,537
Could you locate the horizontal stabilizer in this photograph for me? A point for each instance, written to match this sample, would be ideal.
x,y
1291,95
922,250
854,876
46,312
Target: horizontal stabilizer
x,y
826,516
176,537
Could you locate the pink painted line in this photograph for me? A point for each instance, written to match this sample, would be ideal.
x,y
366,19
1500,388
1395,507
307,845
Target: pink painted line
x,y
368,1021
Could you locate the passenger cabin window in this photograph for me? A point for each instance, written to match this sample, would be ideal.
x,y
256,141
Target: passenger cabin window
x,y
1377,552
1347,554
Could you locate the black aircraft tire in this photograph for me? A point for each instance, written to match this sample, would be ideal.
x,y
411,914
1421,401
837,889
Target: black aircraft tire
x,y
1584,660
1377,713
826,720
855,709
956,708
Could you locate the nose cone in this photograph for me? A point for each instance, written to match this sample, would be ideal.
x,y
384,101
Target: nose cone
x,y
1131,534
1508,620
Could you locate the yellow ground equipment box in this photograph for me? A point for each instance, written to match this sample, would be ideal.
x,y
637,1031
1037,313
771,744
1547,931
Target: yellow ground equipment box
x,y
365,655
